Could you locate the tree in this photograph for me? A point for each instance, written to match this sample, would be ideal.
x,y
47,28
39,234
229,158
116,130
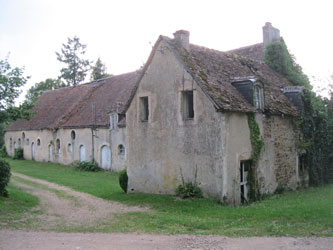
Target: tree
x,y
37,90
11,80
99,71
77,67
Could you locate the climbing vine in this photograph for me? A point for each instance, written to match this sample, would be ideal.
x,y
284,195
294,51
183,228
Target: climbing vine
x,y
316,120
257,145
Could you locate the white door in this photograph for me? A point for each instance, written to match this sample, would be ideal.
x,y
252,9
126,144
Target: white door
x,y
105,157
50,153
82,153
33,151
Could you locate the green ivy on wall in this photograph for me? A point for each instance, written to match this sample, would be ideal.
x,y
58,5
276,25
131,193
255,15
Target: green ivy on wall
x,y
257,145
316,120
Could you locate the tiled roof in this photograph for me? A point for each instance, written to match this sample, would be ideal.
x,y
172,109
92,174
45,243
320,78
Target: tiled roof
x,y
215,71
255,51
84,105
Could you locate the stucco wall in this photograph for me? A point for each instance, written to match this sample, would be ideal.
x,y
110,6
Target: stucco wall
x,y
168,146
213,144
92,142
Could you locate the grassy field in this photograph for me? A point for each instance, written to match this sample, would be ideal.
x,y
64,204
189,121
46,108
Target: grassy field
x,y
16,210
300,213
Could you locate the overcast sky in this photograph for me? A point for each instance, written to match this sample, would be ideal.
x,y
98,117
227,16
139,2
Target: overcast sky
x,y
122,32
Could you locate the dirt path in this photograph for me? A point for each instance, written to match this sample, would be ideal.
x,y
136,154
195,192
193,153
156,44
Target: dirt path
x,y
66,209
11,240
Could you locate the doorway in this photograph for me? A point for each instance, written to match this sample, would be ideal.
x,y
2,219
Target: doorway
x,y
105,157
244,185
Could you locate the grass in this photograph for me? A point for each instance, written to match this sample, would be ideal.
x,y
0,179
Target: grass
x,y
299,213
17,210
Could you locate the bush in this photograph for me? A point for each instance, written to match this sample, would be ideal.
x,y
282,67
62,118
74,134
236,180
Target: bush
x,y
4,177
123,180
90,166
3,152
18,154
189,190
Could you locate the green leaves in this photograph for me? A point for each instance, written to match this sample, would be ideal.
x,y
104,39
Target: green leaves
x,y
11,79
71,55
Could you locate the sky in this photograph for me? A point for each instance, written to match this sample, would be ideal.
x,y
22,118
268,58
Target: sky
x,y
122,32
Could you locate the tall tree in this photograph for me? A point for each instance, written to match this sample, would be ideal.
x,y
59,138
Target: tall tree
x,y
99,71
11,80
49,84
76,67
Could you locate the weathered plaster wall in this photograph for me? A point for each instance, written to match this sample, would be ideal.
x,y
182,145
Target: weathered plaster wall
x,y
92,141
238,149
167,146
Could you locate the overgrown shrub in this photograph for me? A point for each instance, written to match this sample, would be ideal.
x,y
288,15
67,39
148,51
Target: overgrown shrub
x,y
189,190
4,177
123,180
18,154
3,152
90,166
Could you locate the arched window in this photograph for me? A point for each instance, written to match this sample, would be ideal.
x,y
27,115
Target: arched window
x,y
73,135
70,147
27,141
258,96
38,142
121,150
19,142
23,137
58,146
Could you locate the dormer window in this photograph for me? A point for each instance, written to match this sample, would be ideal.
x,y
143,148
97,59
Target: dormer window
x,y
252,90
258,96
113,121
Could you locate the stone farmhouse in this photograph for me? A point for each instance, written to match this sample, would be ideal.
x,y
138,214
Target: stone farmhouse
x,y
184,116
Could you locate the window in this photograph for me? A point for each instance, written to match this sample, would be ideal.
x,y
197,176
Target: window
x,y
38,142
258,97
113,121
144,109
27,141
70,148
23,137
58,146
188,108
73,135
121,150
19,142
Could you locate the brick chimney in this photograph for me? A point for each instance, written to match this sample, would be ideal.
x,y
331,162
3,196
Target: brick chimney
x,y
182,39
270,34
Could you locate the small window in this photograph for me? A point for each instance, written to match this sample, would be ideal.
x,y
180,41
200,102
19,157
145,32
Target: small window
x,y
19,142
144,109
258,97
58,146
188,108
70,148
73,135
23,137
27,141
121,150
38,142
